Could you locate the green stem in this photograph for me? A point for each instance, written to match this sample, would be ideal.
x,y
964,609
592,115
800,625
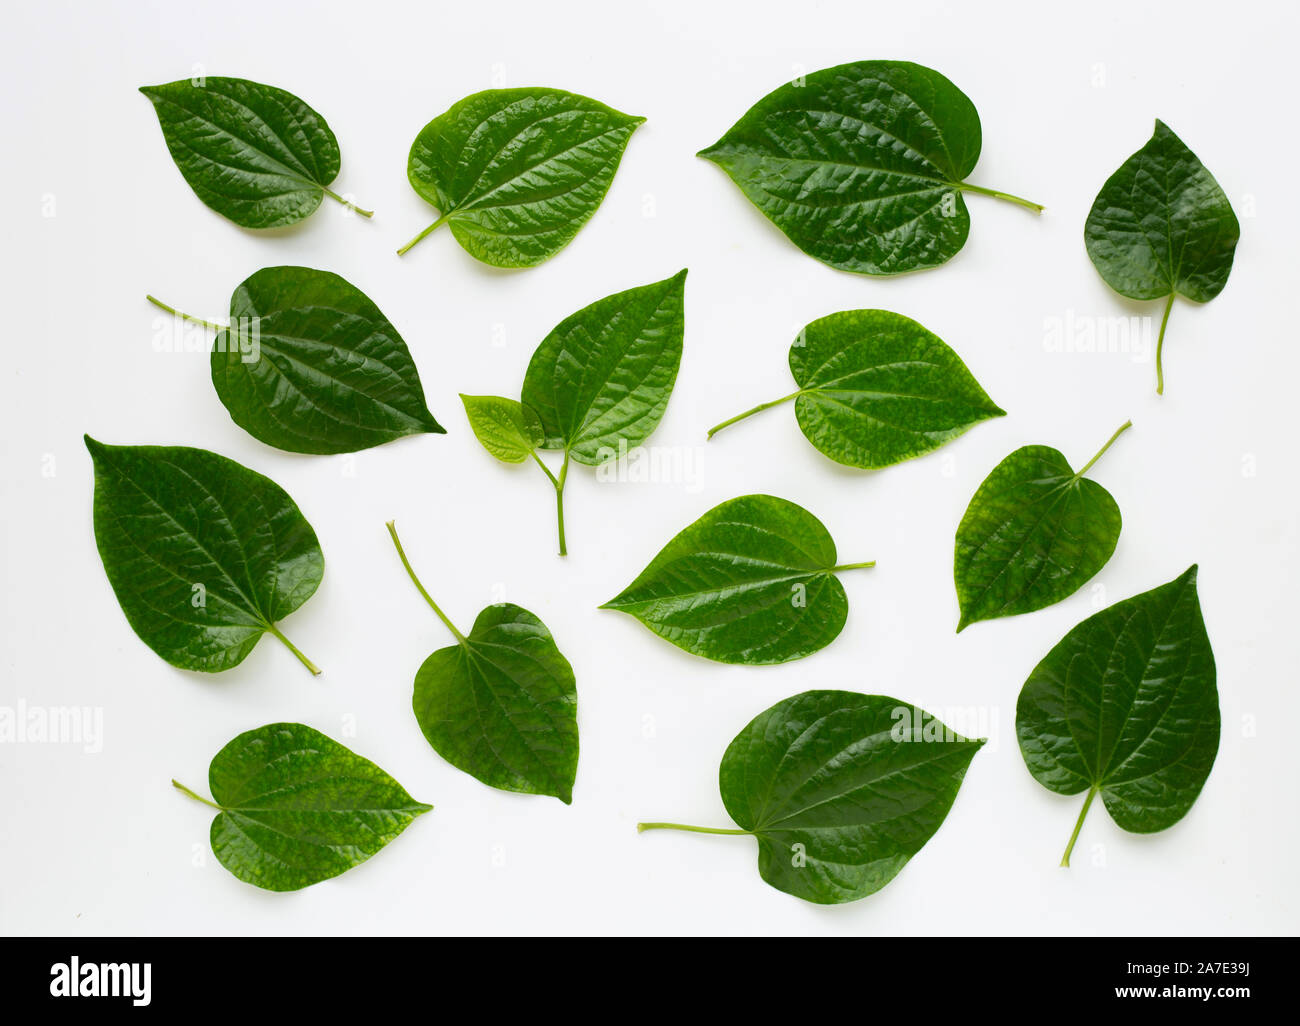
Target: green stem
x,y
294,649
197,797
436,224
392,530
1160,346
559,500
757,409
1037,208
351,206
184,316
853,566
643,827
1119,431
1065,859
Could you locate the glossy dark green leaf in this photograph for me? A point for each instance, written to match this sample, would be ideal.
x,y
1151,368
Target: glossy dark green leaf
x,y
1162,227
501,703
876,388
253,153
1034,533
862,165
296,807
204,555
1125,706
840,790
309,364
515,173
508,430
752,581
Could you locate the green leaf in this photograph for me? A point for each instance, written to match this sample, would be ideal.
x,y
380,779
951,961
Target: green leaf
x,y
1162,227
501,703
516,172
840,790
1034,533
296,807
253,153
508,430
1125,706
204,555
862,165
597,385
604,374
752,581
309,364
876,388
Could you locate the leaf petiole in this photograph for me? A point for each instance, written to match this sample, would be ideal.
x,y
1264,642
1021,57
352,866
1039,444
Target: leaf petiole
x,y
1037,208
1160,345
184,316
558,482
643,827
1100,452
853,566
392,530
197,797
1078,824
757,409
347,203
294,649
428,231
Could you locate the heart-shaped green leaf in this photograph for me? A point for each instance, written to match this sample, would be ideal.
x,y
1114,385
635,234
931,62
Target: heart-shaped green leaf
x,y
515,173
507,429
840,790
597,385
752,581
253,153
862,165
295,807
876,388
501,703
1034,533
204,555
1162,227
309,364
1125,706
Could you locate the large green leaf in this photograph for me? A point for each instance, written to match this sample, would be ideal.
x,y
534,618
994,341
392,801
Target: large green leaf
x,y
310,364
752,581
1162,227
204,555
515,173
1034,533
840,790
253,153
596,386
296,807
876,388
501,703
862,165
1125,706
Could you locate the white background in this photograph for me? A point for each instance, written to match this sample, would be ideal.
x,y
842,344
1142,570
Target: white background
x,y
101,843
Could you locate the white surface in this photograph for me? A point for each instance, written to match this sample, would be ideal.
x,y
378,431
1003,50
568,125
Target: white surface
x,y
100,843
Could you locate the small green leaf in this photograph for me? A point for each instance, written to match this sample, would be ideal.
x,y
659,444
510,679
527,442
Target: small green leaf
x,y
309,364
752,581
1034,533
515,173
295,807
862,165
876,388
204,555
508,430
840,790
1162,227
253,153
1125,706
501,703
